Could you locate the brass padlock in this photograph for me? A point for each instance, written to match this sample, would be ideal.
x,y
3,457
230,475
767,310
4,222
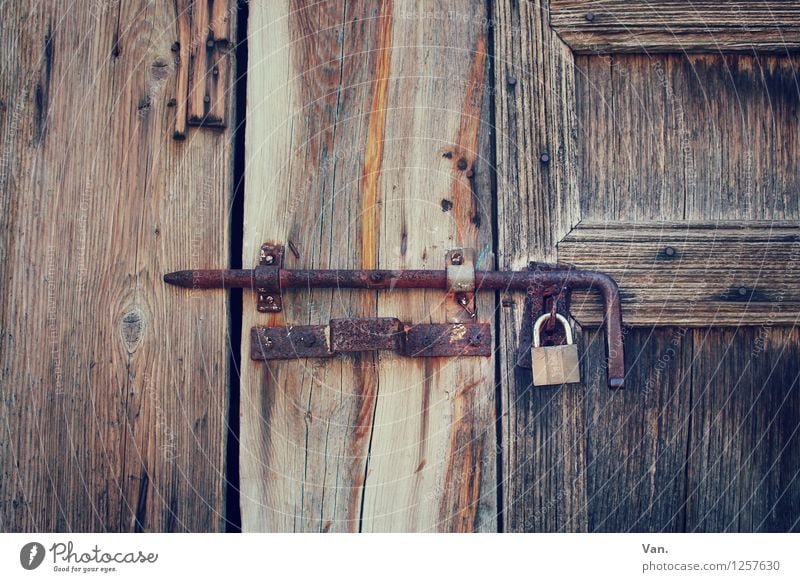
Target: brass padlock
x,y
554,364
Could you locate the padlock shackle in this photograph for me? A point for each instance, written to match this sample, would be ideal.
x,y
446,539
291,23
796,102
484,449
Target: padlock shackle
x,y
537,328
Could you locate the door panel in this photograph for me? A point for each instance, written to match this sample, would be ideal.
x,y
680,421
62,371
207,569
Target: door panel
x,y
665,146
367,147
113,386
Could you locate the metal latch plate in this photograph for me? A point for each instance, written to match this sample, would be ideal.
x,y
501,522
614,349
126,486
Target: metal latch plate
x,y
356,335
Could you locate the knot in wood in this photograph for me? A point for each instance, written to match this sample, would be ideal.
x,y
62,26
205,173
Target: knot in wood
x,y
132,328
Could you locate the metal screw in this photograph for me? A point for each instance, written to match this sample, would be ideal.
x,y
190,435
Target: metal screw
x,y
215,71
462,164
742,291
590,16
463,300
475,340
376,277
545,158
207,99
669,251
457,258
511,80
269,299
268,259
210,42
268,343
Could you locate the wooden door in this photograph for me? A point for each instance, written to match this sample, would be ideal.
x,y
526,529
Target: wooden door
x,y
657,142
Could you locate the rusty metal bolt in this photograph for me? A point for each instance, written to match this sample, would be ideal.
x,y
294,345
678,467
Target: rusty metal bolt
x,y
268,259
462,300
457,258
376,277
268,343
269,299
475,339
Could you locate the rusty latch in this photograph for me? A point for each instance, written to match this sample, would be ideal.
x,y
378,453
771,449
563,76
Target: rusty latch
x,y
547,288
357,335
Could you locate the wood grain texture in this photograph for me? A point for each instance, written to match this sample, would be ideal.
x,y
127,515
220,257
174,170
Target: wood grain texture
x,y
674,138
543,465
362,119
636,438
695,274
638,26
744,447
113,387
683,141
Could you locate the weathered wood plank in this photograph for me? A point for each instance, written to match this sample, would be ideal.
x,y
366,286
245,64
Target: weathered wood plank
x,y
637,437
691,274
113,387
744,448
543,468
433,459
363,120
638,26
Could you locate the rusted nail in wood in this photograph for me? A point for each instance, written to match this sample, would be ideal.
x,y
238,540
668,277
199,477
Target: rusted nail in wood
x,y
462,164
294,250
446,205
545,158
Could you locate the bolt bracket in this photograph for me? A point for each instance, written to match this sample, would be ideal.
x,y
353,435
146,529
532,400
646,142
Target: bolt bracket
x,y
270,260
